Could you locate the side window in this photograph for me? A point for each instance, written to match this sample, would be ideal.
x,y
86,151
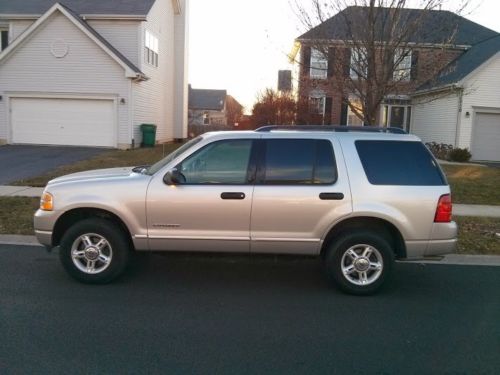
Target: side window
x,y
298,162
222,162
399,163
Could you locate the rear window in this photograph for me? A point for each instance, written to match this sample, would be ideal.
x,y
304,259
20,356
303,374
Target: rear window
x,y
399,163
299,161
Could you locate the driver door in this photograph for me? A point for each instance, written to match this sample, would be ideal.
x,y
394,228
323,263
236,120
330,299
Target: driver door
x,y
208,209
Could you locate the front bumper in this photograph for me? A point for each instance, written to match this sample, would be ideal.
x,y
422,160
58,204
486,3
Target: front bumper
x,y
44,222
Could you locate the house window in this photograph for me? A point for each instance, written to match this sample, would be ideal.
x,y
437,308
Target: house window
x,y
402,65
206,118
358,66
352,119
396,116
319,64
317,105
4,38
151,49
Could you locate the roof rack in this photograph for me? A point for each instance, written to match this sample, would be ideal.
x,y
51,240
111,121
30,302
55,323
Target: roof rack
x,y
336,128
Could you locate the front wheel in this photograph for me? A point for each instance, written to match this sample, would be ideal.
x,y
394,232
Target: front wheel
x,y
94,251
359,262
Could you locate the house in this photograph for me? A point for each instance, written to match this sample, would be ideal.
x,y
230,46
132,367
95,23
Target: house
x,y
207,107
89,73
462,107
420,103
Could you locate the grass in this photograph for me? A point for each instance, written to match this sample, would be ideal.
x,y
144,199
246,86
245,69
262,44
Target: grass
x,y
16,215
474,184
476,235
108,159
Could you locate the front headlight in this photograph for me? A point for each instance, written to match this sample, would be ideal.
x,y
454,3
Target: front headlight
x,y
47,202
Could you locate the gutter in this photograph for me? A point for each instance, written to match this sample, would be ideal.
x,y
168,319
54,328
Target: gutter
x,y
409,44
124,17
449,87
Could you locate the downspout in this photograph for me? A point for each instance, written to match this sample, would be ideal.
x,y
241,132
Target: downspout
x,y
459,116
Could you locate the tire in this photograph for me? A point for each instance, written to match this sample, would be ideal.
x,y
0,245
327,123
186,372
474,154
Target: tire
x,y
94,251
359,262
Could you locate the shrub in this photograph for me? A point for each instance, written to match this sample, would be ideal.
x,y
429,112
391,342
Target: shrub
x,y
440,150
460,154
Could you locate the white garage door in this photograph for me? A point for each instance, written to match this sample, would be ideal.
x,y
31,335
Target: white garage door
x,y
486,137
73,122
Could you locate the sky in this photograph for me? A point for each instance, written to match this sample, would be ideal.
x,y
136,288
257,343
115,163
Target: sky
x,y
239,45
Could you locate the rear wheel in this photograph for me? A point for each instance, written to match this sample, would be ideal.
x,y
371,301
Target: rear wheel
x,y
94,251
359,262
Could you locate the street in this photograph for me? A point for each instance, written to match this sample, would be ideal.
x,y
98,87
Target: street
x,y
201,314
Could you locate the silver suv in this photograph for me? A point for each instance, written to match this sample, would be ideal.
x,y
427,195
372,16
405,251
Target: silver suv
x,y
356,197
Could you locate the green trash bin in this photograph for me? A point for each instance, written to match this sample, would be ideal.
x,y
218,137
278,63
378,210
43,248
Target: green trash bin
x,y
148,135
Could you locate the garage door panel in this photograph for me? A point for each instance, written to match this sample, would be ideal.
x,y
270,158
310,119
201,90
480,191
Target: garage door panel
x,y
486,137
76,122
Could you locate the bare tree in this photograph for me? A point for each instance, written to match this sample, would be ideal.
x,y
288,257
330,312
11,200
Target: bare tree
x,y
371,57
273,107
234,110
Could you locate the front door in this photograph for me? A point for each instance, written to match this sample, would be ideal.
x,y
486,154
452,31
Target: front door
x,y
209,210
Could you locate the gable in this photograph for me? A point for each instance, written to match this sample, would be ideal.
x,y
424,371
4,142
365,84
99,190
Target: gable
x,y
59,57
131,70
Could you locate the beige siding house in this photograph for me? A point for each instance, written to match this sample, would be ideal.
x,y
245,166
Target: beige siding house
x,y
89,73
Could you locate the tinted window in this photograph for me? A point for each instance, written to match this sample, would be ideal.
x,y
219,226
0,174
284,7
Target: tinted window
x,y
223,162
398,163
299,161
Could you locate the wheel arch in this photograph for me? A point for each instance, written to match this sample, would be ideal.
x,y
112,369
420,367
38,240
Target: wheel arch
x,y
69,218
375,224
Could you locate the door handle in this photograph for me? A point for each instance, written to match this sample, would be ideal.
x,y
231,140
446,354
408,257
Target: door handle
x,y
232,195
331,196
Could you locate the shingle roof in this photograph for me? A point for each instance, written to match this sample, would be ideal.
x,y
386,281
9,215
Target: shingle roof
x,y
436,26
207,99
118,7
465,63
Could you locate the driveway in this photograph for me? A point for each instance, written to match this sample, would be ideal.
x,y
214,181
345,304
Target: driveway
x,y
19,162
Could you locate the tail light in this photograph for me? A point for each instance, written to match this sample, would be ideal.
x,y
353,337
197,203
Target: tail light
x,y
443,210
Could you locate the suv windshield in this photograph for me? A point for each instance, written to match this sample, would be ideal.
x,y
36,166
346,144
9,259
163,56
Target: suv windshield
x,y
167,159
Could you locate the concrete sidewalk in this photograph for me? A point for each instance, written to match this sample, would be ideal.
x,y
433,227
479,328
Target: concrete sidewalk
x,y
458,209
20,191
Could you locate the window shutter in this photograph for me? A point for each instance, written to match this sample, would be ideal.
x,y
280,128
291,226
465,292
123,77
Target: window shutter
x,y
414,65
347,62
328,111
331,61
343,112
306,61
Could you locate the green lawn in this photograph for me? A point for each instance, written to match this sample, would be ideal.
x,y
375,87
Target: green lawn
x,y
474,184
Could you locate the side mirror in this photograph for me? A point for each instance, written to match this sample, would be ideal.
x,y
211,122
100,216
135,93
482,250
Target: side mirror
x,y
174,177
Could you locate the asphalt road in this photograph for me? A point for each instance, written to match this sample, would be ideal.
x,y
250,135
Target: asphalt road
x,y
197,314
24,161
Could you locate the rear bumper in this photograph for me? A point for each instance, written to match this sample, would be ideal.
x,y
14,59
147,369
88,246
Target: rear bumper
x,y
441,247
443,240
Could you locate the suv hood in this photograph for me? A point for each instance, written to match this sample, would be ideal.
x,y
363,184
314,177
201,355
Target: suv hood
x,y
94,175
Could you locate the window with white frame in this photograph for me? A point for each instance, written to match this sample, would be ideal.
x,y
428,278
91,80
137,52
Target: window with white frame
x,y
358,63
396,115
317,104
319,64
402,65
151,48
206,118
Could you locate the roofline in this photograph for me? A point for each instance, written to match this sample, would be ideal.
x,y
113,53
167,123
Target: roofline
x,y
129,72
412,44
433,90
480,66
131,17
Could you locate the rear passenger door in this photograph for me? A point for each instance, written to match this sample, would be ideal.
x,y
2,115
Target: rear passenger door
x,y
301,189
